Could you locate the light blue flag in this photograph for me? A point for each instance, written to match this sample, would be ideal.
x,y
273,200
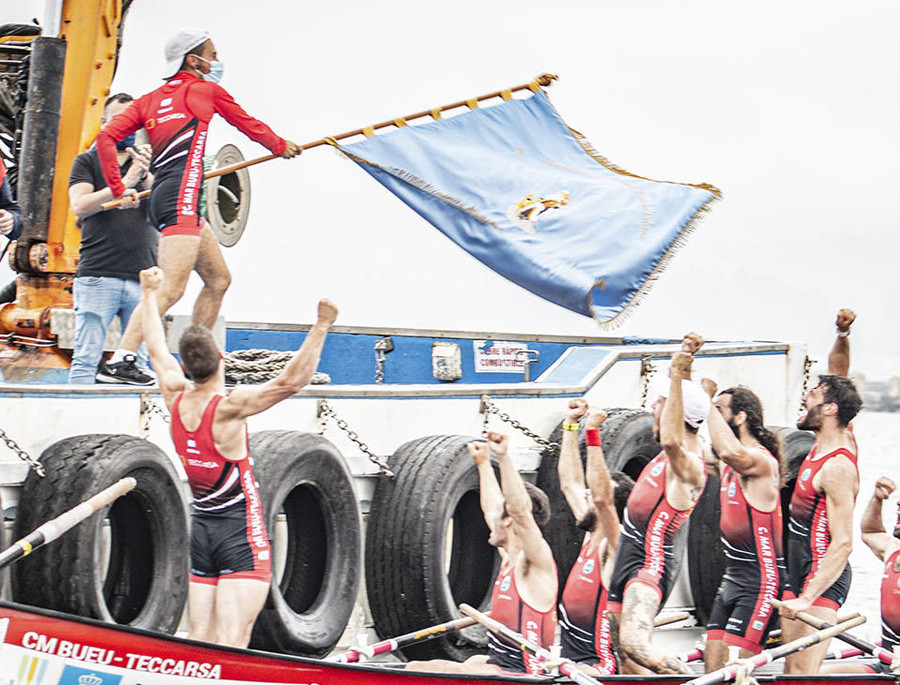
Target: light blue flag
x,y
517,189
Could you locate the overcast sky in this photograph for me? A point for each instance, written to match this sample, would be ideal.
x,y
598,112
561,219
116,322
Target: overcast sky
x,y
790,108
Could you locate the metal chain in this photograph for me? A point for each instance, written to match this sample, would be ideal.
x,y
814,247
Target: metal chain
x,y
807,367
379,366
325,411
488,407
35,465
647,372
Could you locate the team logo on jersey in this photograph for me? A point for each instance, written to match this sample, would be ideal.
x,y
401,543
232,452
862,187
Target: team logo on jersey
x,y
758,625
150,123
588,567
656,470
504,586
732,488
805,475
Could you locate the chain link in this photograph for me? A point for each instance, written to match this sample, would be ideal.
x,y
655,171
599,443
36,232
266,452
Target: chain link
x,y
325,411
647,372
807,368
35,465
488,407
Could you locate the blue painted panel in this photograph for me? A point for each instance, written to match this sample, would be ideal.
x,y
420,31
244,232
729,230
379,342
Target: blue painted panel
x,y
576,365
350,357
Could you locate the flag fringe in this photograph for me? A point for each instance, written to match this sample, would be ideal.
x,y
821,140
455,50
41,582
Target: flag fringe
x,y
592,151
679,242
663,263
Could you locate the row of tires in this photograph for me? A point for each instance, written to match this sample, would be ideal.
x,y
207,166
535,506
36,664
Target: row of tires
x,y
425,548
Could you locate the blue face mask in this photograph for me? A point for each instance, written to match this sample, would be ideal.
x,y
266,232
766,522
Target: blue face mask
x,y
126,143
216,70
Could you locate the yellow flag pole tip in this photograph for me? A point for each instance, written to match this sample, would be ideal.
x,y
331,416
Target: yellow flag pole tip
x,y
544,79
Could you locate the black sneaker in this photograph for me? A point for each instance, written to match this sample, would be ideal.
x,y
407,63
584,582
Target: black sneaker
x,y
125,371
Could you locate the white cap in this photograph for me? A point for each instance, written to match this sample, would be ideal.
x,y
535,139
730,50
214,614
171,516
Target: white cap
x,y
181,44
694,400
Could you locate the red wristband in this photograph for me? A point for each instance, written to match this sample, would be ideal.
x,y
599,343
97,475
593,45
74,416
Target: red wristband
x,y
592,437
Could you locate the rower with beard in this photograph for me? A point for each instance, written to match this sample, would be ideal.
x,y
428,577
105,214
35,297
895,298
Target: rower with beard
x,y
662,500
598,506
821,513
751,525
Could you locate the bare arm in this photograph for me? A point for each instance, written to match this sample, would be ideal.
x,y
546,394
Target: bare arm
x,y
874,534
601,486
489,493
169,375
747,461
248,400
839,357
571,474
538,556
671,425
839,484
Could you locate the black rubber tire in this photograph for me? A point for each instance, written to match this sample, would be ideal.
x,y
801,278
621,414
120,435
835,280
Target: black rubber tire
x,y
706,554
410,583
305,477
147,575
628,445
796,445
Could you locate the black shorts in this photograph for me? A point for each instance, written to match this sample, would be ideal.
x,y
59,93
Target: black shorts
x,y
740,616
221,545
164,213
833,598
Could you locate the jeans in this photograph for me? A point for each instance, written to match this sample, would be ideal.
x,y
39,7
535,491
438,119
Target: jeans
x,y
97,300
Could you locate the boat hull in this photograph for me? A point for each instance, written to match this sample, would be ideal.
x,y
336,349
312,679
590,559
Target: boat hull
x,y
42,647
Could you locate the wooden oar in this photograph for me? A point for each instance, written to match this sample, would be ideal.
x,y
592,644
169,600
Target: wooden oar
x,y
883,655
353,655
671,618
566,666
728,672
49,531
541,81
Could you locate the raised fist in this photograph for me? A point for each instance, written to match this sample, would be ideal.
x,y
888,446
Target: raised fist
x,y
691,343
327,312
152,278
845,317
595,418
577,408
884,486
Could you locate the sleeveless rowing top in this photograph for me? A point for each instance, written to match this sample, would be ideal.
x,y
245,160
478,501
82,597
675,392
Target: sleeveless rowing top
x,y
808,534
752,538
512,611
218,484
890,603
583,616
649,516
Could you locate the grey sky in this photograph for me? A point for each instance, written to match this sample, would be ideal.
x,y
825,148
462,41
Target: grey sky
x,y
790,108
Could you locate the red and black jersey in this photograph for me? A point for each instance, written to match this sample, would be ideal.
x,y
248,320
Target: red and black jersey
x,y
646,547
176,117
217,483
752,538
808,533
890,603
583,616
512,611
